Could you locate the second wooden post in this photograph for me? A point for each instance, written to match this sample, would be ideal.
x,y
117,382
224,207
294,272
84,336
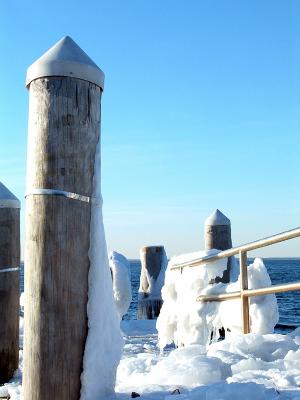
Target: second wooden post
x,y
9,283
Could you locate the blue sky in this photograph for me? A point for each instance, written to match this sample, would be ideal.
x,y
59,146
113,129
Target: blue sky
x,y
201,110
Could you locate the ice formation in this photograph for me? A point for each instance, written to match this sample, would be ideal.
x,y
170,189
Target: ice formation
x,y
120,269
104,342
184,321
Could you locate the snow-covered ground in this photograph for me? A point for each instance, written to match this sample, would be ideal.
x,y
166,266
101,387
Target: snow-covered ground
x,y
250,367
260,365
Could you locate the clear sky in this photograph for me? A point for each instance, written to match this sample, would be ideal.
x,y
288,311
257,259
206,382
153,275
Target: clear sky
x,y
201,110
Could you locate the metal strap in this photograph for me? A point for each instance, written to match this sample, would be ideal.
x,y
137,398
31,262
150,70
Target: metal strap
x,y
8,269
69,195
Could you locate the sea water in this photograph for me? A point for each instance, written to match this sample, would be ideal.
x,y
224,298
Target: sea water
x,y
281,270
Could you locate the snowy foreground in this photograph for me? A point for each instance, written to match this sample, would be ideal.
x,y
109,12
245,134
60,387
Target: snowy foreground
x,y
253,367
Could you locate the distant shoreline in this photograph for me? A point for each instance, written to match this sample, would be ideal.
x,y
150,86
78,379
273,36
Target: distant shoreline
x,y
249,258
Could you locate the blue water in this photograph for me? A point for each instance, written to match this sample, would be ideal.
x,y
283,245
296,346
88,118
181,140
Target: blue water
x,y
286,271
280,271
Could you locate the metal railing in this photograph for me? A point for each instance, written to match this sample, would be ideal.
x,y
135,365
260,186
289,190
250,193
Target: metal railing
x,y
244,292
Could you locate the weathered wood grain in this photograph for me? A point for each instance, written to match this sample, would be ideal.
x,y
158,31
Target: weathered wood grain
x,y
64,122
9,292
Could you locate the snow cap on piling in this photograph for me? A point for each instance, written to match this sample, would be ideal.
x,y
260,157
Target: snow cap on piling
x,y
66,58
217,218
7,199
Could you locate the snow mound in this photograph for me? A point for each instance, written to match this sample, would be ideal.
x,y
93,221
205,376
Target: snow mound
x,y
120,269
185,321
248,367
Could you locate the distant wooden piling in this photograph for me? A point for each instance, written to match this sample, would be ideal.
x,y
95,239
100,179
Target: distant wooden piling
x,y
153,259
65,88
217,234
9,283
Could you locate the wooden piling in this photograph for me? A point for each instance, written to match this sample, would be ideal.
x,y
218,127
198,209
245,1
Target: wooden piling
x,y
217,233
153,261
9,283
65,88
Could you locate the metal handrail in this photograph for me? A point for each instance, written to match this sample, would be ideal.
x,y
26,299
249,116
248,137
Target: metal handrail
x,y
286,287
244,292
280,237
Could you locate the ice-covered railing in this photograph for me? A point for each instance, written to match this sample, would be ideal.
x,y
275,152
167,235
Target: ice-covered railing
x,y
244,294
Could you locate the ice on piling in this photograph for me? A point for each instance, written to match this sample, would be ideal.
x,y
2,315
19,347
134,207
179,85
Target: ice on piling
x,y
104,341
120,269
154,263
185,321
152,290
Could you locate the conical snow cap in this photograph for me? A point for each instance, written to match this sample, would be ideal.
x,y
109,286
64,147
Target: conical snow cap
x,y
217,218
66,58
7,199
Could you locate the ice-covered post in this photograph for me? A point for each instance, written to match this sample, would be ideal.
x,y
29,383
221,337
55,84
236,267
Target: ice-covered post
x,y
65,89
217,233
154,262
9,283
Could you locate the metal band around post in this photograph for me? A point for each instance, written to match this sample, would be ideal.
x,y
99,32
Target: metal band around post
x,y
63,193
9,269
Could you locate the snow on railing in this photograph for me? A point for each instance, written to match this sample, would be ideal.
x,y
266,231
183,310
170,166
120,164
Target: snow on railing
x,y
244,292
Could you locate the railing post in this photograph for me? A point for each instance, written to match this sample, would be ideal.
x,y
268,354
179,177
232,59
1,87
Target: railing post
x,y
244,298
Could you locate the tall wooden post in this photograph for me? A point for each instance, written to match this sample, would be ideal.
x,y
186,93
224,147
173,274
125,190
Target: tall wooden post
x,y
153,260
65,88
9,283
217,233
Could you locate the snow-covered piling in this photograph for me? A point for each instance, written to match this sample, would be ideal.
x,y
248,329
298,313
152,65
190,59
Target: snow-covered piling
x,y
65,89
9,283
217,235
154,263
121,277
